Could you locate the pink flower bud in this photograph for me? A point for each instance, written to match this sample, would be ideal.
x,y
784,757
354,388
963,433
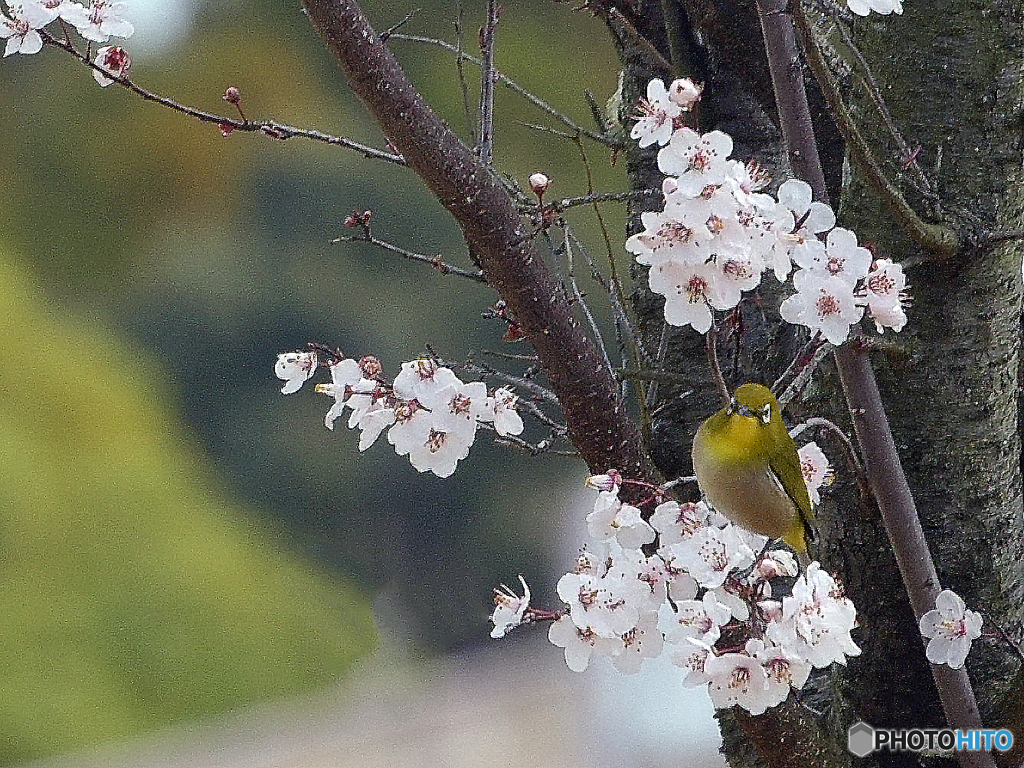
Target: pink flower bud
x,y
684,92
232,95
606,482
371,367
539,183
114,60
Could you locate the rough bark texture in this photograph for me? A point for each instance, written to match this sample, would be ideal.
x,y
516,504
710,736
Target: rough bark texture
x,y
952,81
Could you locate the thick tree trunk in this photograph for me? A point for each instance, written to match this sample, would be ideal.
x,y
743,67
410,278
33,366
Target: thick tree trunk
x,y
953,81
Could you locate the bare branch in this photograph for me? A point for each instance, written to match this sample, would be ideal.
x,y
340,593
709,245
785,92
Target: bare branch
x,y
434,261
485,130
938,239
885,472
271,128
513,86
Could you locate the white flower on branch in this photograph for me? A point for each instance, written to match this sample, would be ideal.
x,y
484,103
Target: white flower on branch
x,y
21,30
100,21
295,368
509,609
884,7
114,60
952,627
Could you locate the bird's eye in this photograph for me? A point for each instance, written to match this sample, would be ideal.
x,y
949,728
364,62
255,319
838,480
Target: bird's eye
x,y
766,413
734,407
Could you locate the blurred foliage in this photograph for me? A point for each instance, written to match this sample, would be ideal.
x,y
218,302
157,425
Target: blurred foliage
x,y
133,591
214,253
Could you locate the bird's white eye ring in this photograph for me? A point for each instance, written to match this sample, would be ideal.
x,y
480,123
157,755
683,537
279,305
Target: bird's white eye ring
x,y
766,413
734,407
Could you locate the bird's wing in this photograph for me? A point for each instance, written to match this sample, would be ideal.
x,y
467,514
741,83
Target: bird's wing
x,y
787,464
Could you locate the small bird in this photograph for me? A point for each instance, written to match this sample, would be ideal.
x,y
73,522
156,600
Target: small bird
x,y
748,469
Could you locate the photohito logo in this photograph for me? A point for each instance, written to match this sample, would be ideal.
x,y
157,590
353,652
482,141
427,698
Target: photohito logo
x,y
862,740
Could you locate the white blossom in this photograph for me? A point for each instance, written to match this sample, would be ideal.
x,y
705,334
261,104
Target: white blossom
x,y
885,294
816,469
21,30
816,620
884,7
100,21
344,374
822,303
295,368
739,679
952,627
509,609
656,114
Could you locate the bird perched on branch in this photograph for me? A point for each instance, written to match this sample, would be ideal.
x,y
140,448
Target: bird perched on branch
x,y
748,469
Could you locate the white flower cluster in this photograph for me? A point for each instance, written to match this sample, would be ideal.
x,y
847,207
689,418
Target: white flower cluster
x,y
96,21
703,597
430,414
718,233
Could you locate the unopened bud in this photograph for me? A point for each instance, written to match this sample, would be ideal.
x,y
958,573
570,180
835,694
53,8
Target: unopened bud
x,y
539,183
606,482
685,92
357,219
232,95
114,61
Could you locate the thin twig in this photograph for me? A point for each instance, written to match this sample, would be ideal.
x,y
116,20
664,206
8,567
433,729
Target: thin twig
x,y
538,391
938,239
271,128
532,359
646,44
485,129
711,339
434,261
658,376
867,78
801,369
580,300
515,87
652,391
621,315
461,70
395,27
604,197
543,447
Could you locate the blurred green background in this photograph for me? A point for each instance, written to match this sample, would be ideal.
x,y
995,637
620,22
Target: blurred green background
x,y
176,537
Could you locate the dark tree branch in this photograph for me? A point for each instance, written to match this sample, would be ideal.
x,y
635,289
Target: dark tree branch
x,y
596,419
884,470
271,128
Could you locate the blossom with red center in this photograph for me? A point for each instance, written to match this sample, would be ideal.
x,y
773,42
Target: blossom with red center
x,y
112,59
822,303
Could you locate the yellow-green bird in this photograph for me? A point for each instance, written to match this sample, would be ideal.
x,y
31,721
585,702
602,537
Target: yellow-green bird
x,y
748,469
